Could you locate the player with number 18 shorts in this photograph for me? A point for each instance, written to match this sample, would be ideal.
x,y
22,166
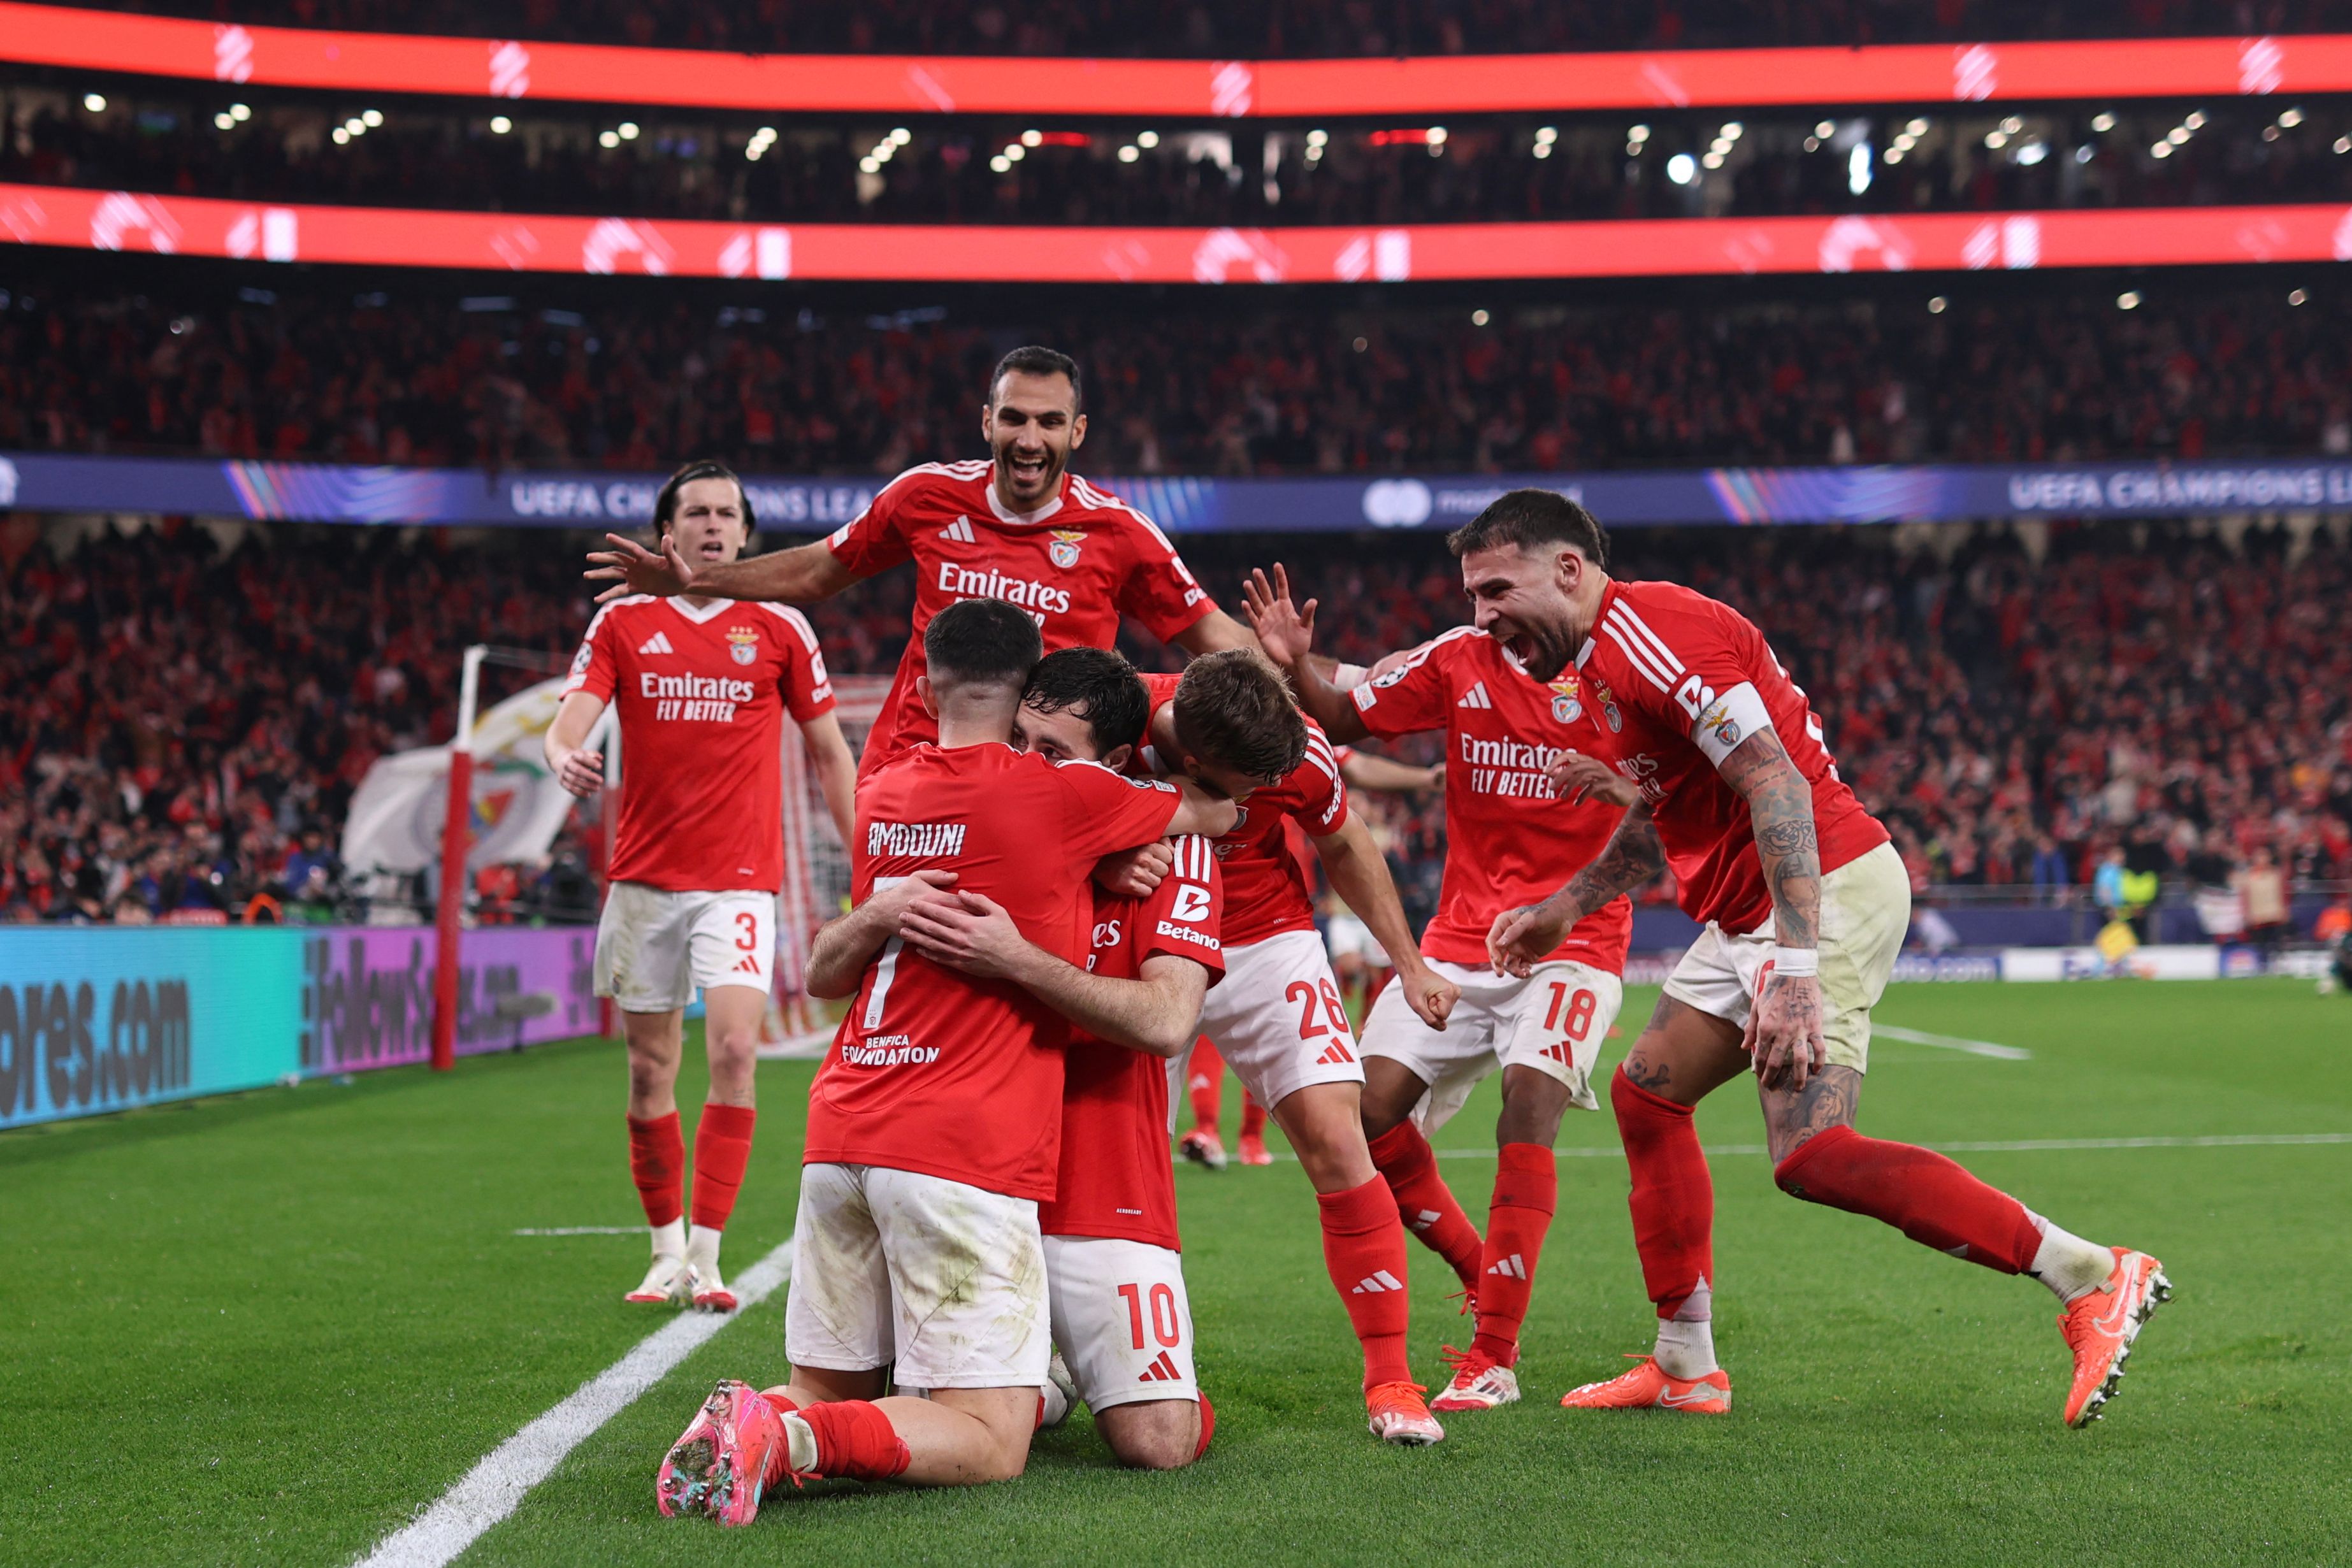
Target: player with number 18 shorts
x,y
1509,837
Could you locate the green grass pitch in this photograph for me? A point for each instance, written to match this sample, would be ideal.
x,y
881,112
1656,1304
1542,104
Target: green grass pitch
x,y
271,1328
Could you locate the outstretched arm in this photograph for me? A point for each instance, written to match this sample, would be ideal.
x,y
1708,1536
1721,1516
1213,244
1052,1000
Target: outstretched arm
x,y
1211,816
1520,937
1155,1013
802,575
1387,776
1784,1028
1359,873
1212,632
1287,632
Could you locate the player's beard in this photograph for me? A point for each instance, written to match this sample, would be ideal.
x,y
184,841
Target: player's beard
x,y
1547,651
1052,471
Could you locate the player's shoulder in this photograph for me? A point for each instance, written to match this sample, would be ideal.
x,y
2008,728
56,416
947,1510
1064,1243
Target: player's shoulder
x,y
1106,509
1647,600
1657,626
790,616
1084,773
1320,768
926,479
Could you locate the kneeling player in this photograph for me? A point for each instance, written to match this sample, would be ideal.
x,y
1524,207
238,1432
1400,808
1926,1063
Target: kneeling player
x,y
1113,1272
1509,838
934,1124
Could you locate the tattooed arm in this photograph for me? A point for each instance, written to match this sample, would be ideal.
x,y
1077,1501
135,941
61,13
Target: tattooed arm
x,y
1784,1028
1520,937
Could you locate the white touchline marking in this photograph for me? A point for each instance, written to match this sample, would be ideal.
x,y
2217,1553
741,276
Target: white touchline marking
x,y
491,1489
1952,1042
1985,1146
584,1230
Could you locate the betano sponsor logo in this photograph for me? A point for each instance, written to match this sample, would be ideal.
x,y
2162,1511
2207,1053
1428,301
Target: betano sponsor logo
x,y
1186,934
966,583
914,841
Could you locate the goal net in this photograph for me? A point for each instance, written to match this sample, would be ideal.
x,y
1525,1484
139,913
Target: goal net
x,y
816,871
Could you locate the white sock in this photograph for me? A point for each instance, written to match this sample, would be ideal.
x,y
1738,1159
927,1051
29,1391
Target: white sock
x,y
669,1240
1057,1407
1686,1340
800,1443
702,1247
2071,1267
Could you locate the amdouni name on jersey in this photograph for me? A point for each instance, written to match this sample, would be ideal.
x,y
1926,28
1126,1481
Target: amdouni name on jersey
x,y
1508,768
1034,597
695,697
914,841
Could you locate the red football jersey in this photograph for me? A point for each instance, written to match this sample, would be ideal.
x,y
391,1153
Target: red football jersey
x,y
1077,564
936,1072
1681,679
1265,885
702,694
1509,840
1115,1178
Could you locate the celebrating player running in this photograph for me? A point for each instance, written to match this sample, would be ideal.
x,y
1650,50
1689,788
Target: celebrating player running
x,y
1017,526
1804,903
703,684
1509,837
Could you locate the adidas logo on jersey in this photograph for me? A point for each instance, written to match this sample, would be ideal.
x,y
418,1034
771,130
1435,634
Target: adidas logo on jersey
x,y
1423,1221
656,643
1511,1267
1335,1054
961,531
1375,1283
1161,1370
1477,697
749,966
1557,1050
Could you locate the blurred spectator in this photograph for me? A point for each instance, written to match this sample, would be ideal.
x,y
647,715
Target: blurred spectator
x,y
2261,888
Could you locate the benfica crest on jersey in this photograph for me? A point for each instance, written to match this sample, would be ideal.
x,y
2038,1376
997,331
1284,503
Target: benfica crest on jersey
x,y
1565,703
1065,547
743,643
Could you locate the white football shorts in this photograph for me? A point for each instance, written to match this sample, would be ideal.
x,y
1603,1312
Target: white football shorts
x,y
945,1280
1554,1021
1346,937
1278,1019
655,947
1865,913
1121,1319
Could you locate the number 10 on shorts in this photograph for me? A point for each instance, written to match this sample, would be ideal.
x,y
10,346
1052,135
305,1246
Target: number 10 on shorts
x,y
1167,1326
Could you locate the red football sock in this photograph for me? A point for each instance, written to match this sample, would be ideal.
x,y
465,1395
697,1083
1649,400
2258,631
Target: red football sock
x,y
856,1441
722,1147
1208,1426
1207,1084
1674,1196
1425,1204
1363,1247
1526,1189
658,1164
1919,1192
1253,1116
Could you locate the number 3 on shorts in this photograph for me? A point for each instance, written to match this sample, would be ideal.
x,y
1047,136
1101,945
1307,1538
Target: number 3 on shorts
x,y
749,923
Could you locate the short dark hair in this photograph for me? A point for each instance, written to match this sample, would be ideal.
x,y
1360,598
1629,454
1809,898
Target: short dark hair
x,y
665,500
1233,710
1035,360
1531,518
1099,687
981,643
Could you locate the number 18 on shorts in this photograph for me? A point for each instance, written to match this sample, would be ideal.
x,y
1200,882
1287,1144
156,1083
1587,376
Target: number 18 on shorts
x,y
1121,1319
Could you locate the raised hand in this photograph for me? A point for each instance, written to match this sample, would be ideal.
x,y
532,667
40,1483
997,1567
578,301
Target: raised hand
x,y
632,569
1285,631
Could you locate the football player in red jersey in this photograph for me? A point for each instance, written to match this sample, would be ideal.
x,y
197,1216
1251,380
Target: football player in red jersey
x,y
1230,723
703,685
934,1122
1509,837
1804,904
1122,1322
1016,526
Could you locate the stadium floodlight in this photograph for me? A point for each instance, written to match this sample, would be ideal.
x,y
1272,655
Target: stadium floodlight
x,y
1436,138
224,121
1857,168
1001,165
2178,135
900,135
1916,129
1032,138
868,166
1825,130
1638,133
2291,119
371,118
342,136
1995,139
1149,139
2297,296
607,140
2032,153
240,112
1549,134
2194,120
500,125
1682,168
2011,125
2162,150
1479,318
2129,299
2344,144
2103,121
1713,160
1128,154
1938,305
1894,153
628,130
1015,153
94,101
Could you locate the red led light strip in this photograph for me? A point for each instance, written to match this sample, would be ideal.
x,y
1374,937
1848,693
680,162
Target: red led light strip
x,y
2154,237
910,85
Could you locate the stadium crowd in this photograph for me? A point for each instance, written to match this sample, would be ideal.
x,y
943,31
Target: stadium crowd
x,y
185,722
1892,372
1237,28
696,165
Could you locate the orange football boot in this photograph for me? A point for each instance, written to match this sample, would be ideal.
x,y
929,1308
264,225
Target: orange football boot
x,y
2100,1327
1648,1386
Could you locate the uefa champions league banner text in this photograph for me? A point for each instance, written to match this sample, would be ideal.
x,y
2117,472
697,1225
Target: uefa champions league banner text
x,y
97,1019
